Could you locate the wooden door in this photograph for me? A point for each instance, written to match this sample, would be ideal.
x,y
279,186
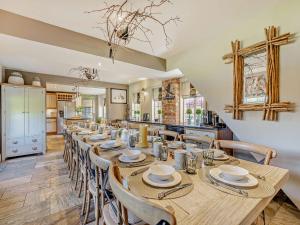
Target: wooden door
x,y
14,112
35,108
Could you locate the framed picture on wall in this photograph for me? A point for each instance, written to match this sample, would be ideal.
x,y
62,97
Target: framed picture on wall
x,y
118,96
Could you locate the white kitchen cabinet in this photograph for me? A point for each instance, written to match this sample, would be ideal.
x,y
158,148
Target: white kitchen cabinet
x,y
23,120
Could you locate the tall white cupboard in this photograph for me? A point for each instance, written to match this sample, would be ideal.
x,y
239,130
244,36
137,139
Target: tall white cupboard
x,y
23,120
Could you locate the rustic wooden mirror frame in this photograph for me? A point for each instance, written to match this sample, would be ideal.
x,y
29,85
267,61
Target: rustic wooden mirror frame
x,y
272,105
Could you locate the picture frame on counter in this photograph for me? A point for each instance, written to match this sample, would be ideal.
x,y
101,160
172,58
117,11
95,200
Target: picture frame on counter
x,y
118,96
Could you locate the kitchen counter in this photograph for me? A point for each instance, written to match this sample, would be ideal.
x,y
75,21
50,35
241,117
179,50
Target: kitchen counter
x,y
77,119
202,126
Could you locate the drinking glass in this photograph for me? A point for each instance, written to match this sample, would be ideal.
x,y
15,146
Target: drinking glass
x,y
163,155
208,157
191,163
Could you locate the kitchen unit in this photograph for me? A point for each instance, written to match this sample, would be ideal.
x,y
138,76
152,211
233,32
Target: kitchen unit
x,y
51,112
23,120
213,132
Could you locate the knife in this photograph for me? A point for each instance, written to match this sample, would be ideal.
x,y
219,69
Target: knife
x,y
239,191
163,194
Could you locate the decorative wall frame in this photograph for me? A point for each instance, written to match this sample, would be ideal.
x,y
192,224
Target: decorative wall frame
x,y
266,98
118,96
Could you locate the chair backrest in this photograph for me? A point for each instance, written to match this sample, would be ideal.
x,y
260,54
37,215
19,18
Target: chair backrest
x,y
83,151
198,139
269,153
168,133
152,131
147,211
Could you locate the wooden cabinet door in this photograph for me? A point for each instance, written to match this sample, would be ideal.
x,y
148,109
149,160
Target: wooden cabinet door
x,y
51,101
35,108
14,112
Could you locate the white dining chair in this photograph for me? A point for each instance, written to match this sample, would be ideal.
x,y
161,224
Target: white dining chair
x,y
168,133
150,213
203,141
97,184
267,152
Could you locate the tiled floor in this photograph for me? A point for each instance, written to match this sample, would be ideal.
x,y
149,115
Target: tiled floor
x,y
37,190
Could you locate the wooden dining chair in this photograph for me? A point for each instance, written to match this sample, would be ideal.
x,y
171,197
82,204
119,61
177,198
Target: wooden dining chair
x,y
75,167
67,148
168,133
150,213
97,184
203,141
83,161
267,152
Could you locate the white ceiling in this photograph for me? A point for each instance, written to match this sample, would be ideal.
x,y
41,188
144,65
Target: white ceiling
x,y
69,88
201,20
33,56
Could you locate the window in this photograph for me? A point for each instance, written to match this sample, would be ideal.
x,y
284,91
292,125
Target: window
x,y
156,110
136,111
157,105
190,109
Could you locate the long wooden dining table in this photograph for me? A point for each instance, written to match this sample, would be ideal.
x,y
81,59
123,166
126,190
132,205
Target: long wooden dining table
x,y
206,204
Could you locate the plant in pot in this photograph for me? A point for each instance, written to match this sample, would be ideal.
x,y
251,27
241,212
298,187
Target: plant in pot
x,y
79,110
189,112
198,113
137,114
159,112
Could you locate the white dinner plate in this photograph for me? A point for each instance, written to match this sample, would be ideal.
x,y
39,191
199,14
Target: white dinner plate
x,y
248,182
84,132
97,137
173,181
222,157
124,159
111,146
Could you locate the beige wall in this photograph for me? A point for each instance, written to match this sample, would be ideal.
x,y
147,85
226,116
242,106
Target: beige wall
x,y
204,67
146,106
115,111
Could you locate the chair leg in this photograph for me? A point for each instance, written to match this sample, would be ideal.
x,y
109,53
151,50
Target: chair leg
x,y
80,185
97,214
264,217
84,194
77,175
88,208
73,169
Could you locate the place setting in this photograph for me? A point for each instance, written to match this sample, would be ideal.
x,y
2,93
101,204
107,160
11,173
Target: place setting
x,y
134,158
159,181
237,180
112,145
96,138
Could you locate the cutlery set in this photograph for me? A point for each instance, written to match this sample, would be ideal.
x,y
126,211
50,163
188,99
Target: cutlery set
x,y
163,194
236,190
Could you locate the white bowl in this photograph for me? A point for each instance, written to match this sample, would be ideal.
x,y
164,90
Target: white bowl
x,y
233,172
162,172
131,154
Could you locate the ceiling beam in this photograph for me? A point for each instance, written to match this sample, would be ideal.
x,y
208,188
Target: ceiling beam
x,y
35,30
